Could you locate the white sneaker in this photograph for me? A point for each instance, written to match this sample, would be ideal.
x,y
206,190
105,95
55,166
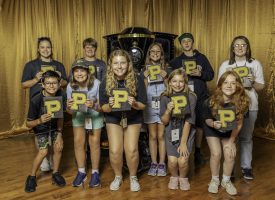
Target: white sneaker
x,y
115,185
45,165
134,184
214,186
229,187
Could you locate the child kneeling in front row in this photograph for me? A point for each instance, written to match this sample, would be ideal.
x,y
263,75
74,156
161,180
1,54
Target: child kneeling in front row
x,y
45,127
179,136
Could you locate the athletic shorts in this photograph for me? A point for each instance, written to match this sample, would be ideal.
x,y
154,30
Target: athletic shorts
x,y
78,119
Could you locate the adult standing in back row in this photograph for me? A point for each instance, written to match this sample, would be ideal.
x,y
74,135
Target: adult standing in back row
x,y
240,56
201,73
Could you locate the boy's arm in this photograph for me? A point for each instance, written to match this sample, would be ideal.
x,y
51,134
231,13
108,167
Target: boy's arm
x,y
33,123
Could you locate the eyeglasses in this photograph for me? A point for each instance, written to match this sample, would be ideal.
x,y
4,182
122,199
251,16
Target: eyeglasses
x,y
240,45
51,84
155,52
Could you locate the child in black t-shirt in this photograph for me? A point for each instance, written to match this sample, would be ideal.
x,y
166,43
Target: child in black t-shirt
x,y
179,134
229,94
46,127
123,127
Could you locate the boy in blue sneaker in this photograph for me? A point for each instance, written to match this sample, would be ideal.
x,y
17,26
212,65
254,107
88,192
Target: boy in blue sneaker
x,y
47,130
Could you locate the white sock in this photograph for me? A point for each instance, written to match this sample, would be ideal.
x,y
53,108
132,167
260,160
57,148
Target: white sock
x,y
95,170
133,177
82,170
225,178
216,178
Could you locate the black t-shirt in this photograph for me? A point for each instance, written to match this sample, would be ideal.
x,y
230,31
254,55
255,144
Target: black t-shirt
x,y
207,114
33,67
133,116
36,109
178,122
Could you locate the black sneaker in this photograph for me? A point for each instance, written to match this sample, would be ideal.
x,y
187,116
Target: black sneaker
x,y
58,180
247,174
30,185
199,159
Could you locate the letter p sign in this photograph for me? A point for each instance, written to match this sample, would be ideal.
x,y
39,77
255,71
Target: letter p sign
x,y
242,71
154,70
180,102
120,96
79,99
52,106
226,116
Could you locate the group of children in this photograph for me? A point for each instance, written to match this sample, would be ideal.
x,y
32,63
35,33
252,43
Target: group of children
x,y
149,101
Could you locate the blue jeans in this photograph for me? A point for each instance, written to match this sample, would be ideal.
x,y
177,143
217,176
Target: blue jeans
x,y
245,140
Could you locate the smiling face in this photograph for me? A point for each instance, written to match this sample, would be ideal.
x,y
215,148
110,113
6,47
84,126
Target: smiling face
x,y
119,66
89,51
177,83
51,86
229,86
240,48
155,54
45,50
80,75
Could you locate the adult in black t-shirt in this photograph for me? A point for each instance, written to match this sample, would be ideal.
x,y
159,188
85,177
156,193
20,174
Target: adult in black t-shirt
x,y
34,69
123,127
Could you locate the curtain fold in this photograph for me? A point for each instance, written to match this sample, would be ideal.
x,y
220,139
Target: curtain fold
x,y
213,23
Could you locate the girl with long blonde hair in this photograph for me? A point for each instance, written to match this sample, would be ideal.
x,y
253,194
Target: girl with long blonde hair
x,y
179,131
123,127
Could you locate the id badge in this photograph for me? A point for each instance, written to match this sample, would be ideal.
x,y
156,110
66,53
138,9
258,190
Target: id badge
x,y
123,122
191,85
155,102
175,135
88,123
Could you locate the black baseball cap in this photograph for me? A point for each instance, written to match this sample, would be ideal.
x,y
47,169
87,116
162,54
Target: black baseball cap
x,y
186,35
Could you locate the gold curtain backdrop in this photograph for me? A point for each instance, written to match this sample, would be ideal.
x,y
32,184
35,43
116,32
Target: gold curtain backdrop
x,y
213,23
